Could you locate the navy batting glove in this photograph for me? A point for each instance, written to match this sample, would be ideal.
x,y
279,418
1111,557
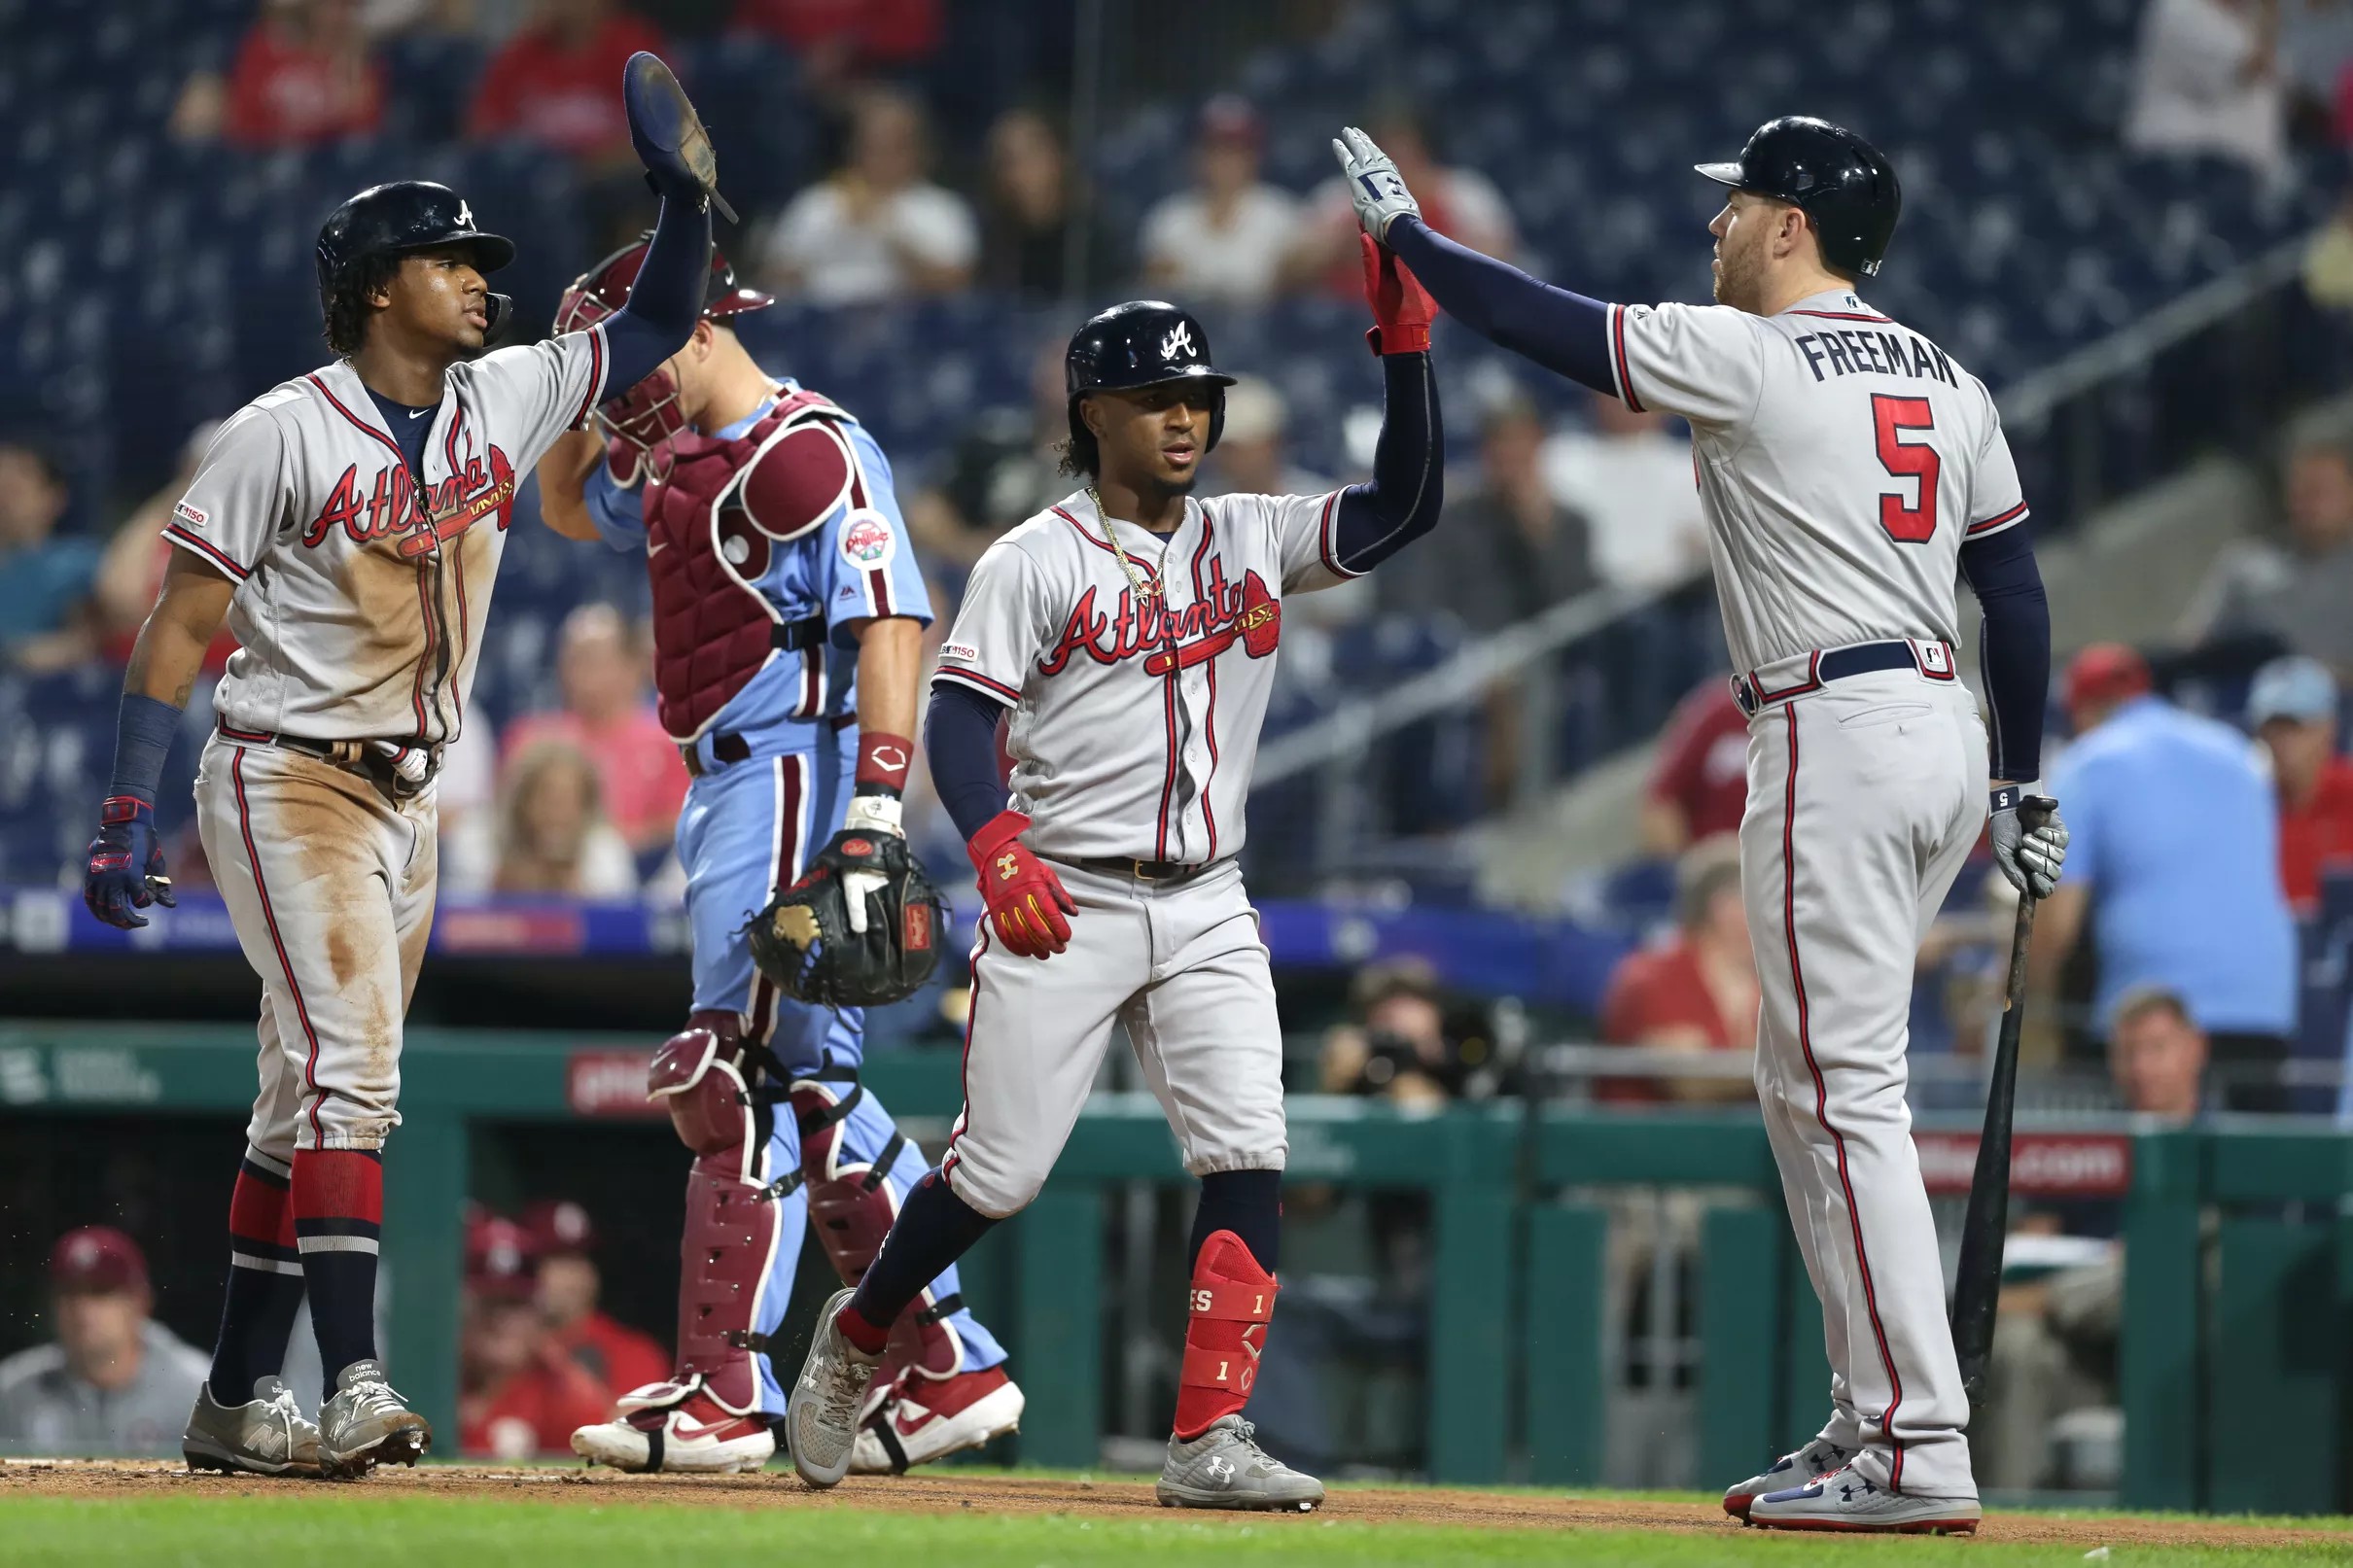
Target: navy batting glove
x,y
125,863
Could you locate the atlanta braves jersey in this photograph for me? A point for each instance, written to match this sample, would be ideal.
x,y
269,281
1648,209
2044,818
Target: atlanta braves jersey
x,y
1842,459
1135,718
361,586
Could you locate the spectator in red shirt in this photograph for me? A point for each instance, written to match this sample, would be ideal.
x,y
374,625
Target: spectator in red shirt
x,y
1697,992
2292,708
1698,785
303,74
602,671
557,81
620,1357
840,39
519,1393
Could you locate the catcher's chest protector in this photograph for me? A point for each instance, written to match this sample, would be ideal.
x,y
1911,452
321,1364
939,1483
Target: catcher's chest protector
x,y
705,557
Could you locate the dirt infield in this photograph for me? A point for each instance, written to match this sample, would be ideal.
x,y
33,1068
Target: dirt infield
x,y
101,1480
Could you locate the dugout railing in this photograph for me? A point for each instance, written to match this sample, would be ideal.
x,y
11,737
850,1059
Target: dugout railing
x,y
2235,1355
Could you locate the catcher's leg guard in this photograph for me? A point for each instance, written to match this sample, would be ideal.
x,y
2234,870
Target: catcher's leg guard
x,y
732,1215
1227,1311
851,1207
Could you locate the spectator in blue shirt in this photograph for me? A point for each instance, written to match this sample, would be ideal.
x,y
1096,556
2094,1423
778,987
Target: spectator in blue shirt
x,y
45,582
2175,860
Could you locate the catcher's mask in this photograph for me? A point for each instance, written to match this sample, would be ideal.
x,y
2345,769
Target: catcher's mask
x,y
647,414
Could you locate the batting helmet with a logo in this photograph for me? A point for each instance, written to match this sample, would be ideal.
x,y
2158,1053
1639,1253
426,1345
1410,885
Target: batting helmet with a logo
x,y
1143,343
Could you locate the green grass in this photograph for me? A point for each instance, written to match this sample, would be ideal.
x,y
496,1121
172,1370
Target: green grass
x,y
499,1532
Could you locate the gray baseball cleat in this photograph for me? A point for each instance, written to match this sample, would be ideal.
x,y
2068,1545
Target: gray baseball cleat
x,y
1850,1500
266,1435
1817,1458
821,1417
1225,1468
366,1424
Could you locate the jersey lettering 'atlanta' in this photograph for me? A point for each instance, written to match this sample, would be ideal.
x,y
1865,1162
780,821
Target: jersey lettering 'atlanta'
x,y
361,586
1135,727
1841,458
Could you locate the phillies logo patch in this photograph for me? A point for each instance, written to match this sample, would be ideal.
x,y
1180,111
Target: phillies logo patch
x,y
867,539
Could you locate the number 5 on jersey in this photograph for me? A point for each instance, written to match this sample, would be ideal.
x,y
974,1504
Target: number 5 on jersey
x,y
1894,418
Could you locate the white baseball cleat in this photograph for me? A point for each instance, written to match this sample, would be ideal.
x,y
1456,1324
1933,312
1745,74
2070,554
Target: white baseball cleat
x,y
821,1417
922,1420
1846,1500
693,1436
266,1435
1817,1458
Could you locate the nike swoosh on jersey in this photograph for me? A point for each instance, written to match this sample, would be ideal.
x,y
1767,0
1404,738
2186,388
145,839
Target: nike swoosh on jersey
x,y
418,413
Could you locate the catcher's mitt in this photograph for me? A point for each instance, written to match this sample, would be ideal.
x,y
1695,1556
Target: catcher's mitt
x,y
803,941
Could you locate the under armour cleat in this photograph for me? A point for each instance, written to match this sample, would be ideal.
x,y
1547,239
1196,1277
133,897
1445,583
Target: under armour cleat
x,y
1225,1468
821,1417
267,1435
367,1424
1848,1500
1817,1458
921,1420
693,1436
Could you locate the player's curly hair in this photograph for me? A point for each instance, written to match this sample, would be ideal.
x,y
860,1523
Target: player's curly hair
x,y
1078,455
347,306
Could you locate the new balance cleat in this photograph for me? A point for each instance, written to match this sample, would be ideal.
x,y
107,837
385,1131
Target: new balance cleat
x,y
367,1424
267,1435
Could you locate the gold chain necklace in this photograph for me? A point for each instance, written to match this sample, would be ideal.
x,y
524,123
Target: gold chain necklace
x,y
1145,591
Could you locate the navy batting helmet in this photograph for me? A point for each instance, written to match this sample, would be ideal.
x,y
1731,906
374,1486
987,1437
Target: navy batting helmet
x,y
391,220
1844,185
1143,343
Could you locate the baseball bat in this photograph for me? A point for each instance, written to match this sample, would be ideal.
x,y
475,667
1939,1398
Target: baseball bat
x,y
1976,1285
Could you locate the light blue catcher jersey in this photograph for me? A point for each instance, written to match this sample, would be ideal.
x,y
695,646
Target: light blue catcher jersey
x,y
858,566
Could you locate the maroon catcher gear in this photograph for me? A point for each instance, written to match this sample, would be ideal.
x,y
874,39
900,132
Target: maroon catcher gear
x,y
712,519
648,414
851,1206
731,1216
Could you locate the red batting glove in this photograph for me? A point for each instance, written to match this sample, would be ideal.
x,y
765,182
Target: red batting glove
x,y
1027,901
1401,307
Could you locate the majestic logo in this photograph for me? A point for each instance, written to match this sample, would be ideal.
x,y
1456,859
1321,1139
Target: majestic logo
x,y
1178,344
393,509
1170,640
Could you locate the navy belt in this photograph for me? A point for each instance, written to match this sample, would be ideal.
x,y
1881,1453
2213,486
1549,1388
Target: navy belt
x,y
1864,658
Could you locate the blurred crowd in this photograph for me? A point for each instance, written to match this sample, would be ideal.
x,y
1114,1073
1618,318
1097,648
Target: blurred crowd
x,y
536,1357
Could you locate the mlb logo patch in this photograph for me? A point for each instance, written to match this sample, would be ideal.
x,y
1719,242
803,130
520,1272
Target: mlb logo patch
x,y
191,514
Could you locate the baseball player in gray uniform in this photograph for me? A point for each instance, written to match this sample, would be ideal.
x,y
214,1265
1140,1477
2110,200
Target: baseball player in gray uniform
x,y
349,524
1123,641
1848,469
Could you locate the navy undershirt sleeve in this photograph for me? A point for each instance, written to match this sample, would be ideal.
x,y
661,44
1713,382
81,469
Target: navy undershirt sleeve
x,y
1408,487
1561,330
2014,647
665,298
960,742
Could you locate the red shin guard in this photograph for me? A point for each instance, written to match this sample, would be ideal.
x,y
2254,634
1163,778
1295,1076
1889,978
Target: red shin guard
x,y
1228,1307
